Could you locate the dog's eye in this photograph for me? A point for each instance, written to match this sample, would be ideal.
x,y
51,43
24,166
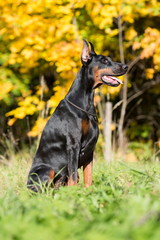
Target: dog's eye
x,y
105,61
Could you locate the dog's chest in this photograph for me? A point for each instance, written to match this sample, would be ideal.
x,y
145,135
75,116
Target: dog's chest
x,y
89,138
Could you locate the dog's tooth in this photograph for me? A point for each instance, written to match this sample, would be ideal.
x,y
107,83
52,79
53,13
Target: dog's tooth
x,y
105,77
117,79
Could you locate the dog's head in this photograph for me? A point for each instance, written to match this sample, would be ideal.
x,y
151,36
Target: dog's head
x,y
102,68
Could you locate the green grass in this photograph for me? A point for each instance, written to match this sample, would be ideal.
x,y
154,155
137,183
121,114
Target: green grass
x,y
123,203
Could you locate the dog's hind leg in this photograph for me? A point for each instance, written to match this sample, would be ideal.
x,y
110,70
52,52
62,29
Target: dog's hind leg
x,y
40,176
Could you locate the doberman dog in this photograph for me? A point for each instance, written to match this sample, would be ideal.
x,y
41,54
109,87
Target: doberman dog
x,y
69,137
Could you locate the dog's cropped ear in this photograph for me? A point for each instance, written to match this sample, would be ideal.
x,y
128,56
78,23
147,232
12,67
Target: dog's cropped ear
x,y
86,53
92,49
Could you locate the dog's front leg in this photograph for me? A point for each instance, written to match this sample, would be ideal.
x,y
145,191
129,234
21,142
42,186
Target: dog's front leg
x,y
87,174
72,181
72,178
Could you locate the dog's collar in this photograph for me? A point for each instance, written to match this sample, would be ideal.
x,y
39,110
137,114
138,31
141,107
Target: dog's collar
x,y
88,113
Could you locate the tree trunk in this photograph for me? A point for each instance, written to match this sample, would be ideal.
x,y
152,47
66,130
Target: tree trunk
x,y
108,133
124,92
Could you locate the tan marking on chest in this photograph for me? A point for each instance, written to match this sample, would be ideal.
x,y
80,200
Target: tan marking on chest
x,y
85,126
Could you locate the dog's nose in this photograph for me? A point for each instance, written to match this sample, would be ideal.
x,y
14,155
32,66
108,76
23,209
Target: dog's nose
x,y
125,67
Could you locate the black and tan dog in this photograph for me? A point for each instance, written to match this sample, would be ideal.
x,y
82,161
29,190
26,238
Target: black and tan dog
x,y
69,137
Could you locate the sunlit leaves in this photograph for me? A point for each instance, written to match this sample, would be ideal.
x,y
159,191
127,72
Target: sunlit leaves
x,y
11,84
37,33
150,45
27,106
130,34
7,87
149,73
38,127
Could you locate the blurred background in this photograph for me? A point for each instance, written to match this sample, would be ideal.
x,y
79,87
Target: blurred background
x,y
40,48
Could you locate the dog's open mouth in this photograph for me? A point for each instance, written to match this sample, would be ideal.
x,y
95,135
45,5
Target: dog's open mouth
x,y
111,80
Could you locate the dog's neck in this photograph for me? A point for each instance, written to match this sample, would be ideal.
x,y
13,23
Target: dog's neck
x,y
81,92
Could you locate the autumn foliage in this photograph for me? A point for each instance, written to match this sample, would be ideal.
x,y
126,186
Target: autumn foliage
x,y
40,47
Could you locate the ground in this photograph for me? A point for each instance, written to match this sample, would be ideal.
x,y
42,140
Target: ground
x,y
123,203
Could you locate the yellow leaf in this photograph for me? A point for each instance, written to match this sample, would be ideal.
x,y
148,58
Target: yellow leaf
x,y
113,126
17,113
38,127
130,34
97,99
6,88
11,121
40,105
136,45
149,73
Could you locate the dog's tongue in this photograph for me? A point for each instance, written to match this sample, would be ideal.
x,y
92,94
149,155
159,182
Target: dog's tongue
x,y
111,79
